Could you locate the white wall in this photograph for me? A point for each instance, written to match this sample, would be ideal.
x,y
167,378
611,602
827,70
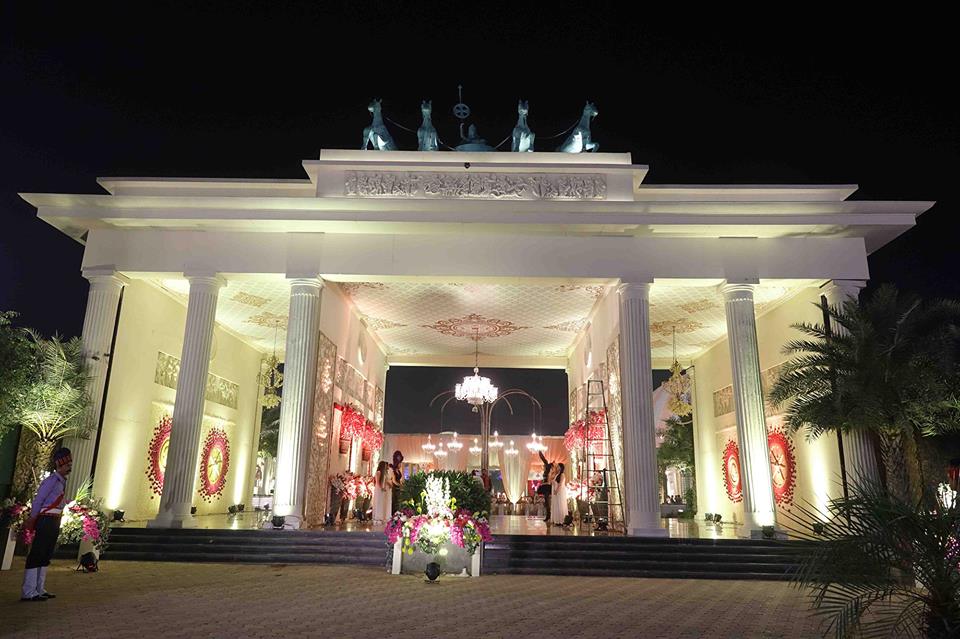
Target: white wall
x,y
151,321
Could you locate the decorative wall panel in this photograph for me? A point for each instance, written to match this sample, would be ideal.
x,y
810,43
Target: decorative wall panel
x,y
219,390
317,491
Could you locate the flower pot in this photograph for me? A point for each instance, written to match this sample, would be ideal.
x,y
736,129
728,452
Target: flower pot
x,y
432,571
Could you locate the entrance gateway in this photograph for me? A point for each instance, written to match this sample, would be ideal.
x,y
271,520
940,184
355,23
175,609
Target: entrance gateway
x,y
377,259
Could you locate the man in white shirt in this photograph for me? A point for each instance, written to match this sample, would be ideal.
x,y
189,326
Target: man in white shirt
x,y
44,520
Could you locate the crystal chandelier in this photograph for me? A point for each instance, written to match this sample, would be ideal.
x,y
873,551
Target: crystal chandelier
x,y
475,449
678,386
536,447
428,447
476,390
454,444
512,450
440,452
271,378
496,443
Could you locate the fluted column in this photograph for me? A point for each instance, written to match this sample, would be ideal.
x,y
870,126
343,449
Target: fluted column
x,y
103,298
858,449
296,408
181,471
641,503
758,504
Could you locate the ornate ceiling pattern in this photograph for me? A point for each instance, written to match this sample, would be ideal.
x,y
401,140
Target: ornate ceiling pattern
x,y
532,320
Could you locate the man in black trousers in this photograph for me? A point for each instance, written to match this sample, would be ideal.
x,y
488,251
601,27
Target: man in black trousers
x,y
546,489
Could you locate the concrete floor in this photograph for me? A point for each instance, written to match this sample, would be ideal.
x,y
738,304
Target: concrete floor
x,y
139,599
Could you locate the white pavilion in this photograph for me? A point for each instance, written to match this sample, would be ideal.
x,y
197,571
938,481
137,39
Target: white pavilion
x,y
379,259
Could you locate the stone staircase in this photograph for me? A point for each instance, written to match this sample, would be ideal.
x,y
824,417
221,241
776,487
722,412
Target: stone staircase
x,y
248,546
614,556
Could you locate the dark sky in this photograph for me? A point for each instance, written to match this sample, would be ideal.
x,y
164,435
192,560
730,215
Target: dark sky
x,y
250,90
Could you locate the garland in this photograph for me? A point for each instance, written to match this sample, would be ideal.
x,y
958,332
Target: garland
x,y
155,464
216,441
353,424
581,431
731,471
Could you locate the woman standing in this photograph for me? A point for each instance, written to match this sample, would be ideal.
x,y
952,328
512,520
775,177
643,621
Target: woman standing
x,y
558,507
383,493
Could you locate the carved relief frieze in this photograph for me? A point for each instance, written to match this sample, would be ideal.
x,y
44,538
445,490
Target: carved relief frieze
x,y
493,186
219,390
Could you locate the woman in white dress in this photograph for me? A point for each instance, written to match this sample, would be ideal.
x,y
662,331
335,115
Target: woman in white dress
x,y
382,493
558,505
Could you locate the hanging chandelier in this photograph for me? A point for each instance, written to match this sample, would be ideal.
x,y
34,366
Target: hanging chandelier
x,y
535,446
440,452
475,449
428,447
496,443
271,378
454,444
512,450
678,386
476,390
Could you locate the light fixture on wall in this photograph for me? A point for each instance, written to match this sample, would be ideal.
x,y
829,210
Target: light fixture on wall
x,y
428,447
476,390
476,449
496,443
271,378
454,444
678,386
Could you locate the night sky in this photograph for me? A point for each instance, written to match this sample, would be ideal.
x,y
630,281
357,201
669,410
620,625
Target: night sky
x,y
250,90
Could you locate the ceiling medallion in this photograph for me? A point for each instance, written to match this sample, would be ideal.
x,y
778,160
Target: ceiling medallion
x,y
249,300
352,287
572,326
380,324
666,328
699,305
475,327
268,320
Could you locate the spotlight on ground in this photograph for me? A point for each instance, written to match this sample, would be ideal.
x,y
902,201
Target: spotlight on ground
x,y
278,522
118,515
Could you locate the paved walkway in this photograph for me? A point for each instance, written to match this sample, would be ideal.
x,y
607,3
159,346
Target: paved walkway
x,y
141,599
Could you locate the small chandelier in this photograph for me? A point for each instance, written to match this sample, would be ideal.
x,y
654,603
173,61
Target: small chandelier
x,y
454,444
440,452
536,447
678,386
271,378
476,390
496,443
475,449
428,447
512,450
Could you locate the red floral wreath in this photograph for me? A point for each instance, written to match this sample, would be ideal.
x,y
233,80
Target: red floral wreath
x,y
783,466
732,477
214,464
155,462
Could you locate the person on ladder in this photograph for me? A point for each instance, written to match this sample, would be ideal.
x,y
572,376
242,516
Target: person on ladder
x,y
44,522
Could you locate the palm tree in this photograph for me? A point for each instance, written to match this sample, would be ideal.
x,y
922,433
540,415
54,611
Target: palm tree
x,y
55,403
891,369
883,567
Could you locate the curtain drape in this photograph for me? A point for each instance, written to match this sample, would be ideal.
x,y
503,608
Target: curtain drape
x,y
513,478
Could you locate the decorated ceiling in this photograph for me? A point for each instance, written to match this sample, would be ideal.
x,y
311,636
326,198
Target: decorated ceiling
x,y
533,320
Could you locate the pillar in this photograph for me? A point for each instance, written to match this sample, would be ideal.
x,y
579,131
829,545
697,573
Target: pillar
x,y
296,408
103,299
641,502
183,458
758,501
860,457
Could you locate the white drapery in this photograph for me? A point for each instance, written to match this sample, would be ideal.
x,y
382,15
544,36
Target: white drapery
x,y
512,471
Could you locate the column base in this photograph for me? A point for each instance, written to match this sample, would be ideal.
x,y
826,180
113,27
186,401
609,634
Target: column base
x,y
172,520
648,532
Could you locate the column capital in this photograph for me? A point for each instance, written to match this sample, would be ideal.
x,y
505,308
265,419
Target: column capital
x,y
739,289
308,281
837,290
100,275
633,289
207,279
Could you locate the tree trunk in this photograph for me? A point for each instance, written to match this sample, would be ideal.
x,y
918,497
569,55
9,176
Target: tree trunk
x,y
898,451
23,475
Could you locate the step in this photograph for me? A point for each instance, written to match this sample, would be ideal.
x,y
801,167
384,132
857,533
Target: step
x,y
649,574
266,558
607,565
563,555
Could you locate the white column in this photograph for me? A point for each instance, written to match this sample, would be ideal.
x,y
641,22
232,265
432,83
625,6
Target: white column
x,y
858,450
182,460
103,298
641,502
296,408
758,504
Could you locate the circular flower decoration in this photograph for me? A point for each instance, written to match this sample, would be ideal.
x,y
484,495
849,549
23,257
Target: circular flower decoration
x,y
214,464
157,454
783,466
731,471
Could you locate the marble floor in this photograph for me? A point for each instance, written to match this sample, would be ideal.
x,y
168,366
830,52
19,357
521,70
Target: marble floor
x,y
499,524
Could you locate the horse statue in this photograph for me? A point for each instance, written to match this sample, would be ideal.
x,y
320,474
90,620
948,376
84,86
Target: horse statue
x,y
579,139
522,135
376,135
426,134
